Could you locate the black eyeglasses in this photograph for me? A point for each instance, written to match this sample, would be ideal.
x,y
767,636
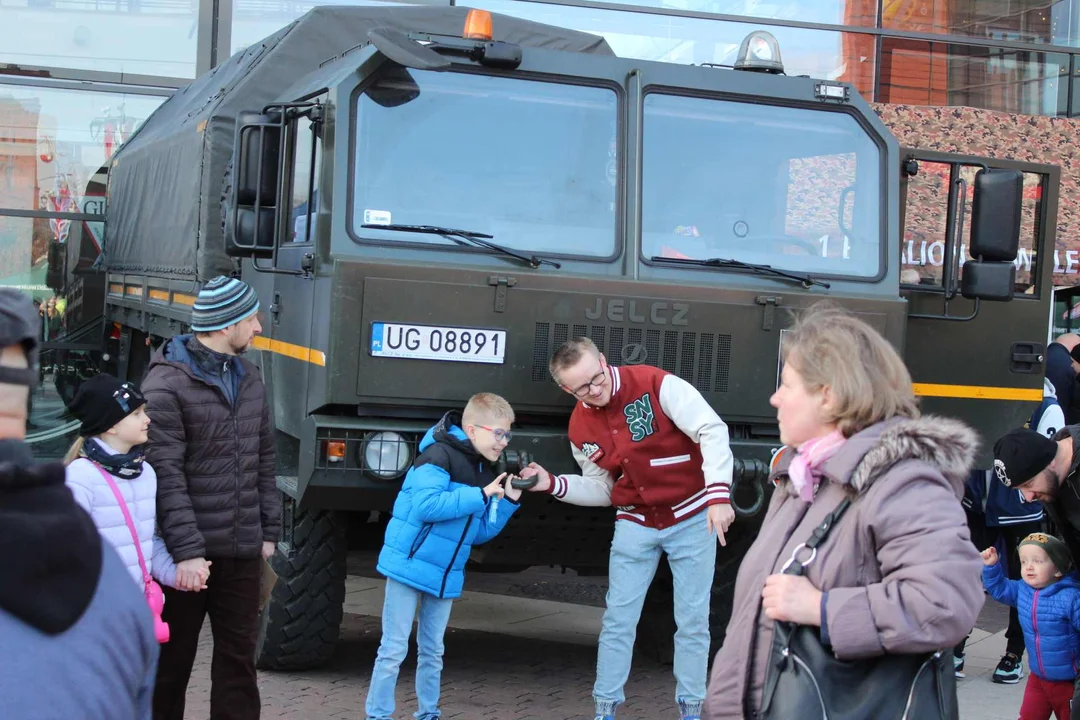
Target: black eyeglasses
x,y
596,381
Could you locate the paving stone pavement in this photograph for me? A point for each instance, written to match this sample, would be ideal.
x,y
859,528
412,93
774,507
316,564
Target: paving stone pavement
x,y
486,676
539,666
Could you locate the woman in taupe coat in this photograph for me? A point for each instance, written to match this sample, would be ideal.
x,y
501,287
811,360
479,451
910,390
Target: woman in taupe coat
x,y
899,573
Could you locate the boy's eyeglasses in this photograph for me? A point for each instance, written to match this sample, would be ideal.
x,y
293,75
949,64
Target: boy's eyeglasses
x,y
597,381
500,434
124,395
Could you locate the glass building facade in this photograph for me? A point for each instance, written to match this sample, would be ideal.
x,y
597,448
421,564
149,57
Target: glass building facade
x,y
77,77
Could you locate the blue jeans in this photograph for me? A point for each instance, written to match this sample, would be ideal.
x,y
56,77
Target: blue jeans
x,y
399,610
635,554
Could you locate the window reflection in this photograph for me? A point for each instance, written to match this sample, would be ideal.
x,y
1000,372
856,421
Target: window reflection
x,y
922,249
53,141
915,72
817,53
793,188
834,12
554,193
50,428
1052,23
122,36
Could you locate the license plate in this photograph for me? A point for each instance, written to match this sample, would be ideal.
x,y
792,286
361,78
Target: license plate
x,y
431,342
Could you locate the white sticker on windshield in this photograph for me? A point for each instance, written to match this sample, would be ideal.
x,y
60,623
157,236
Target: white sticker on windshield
x,y
377,217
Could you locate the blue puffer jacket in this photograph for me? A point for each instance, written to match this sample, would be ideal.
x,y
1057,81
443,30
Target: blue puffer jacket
x,y
440,514
1049,617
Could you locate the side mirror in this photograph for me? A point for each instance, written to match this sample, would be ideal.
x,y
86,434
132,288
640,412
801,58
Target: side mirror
x,y
985,280
995,235
995,215
251,201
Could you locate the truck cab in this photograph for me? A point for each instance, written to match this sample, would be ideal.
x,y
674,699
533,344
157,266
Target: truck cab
x,y
432,209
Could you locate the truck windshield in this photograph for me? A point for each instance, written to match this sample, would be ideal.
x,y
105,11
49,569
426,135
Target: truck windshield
x,y
531,163
795,188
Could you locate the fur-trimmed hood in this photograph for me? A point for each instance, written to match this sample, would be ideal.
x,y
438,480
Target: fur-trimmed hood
x,y
947,444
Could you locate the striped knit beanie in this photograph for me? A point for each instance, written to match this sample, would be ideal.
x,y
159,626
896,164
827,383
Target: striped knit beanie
x,y
221,303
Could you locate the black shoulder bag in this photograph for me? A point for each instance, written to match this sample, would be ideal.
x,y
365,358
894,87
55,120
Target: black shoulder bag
x,y
805,680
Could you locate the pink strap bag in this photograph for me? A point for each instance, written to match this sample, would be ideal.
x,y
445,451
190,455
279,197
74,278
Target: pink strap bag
x,y
155,598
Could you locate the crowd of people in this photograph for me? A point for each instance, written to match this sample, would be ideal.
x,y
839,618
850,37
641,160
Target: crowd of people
x,y
163,512
870,569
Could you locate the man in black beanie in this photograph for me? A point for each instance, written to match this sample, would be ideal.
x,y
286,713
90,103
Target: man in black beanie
x,y
77,634
1048,471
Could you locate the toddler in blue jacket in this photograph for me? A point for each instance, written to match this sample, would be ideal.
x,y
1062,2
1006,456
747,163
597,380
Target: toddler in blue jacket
x,y
450,501
1048,603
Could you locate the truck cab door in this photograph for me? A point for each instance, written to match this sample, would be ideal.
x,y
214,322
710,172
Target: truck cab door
x,y
287,281
979,360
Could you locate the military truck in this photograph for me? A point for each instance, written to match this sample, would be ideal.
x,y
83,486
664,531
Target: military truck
x,y
429,201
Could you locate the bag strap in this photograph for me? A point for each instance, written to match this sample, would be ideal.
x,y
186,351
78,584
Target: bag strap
x,y
127,518
795,566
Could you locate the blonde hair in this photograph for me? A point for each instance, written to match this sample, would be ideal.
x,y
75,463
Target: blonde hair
x,y
569,353
867,378
485,407
75,451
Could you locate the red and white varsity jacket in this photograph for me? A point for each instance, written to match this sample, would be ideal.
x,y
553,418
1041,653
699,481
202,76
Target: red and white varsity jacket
x,y
658,452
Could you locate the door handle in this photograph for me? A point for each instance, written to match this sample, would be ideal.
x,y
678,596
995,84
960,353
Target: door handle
x,y
275,309
1027,358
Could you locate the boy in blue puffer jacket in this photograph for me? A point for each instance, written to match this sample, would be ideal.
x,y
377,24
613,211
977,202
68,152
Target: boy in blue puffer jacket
x,y
1048,604
450,501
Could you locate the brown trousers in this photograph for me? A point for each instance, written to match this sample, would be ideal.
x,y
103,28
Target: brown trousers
x,y
232,602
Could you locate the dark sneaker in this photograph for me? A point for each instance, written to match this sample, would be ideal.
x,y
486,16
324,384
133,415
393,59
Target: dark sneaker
x,y
958,665
1009,670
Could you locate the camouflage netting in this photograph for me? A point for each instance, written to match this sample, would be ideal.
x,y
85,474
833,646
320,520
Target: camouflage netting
x,y
165,185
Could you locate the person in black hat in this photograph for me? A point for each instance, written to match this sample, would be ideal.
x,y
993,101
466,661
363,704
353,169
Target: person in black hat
x,y
78,639
111,438
1047,470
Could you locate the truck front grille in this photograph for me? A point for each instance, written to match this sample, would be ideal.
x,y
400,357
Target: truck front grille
x,y
701,359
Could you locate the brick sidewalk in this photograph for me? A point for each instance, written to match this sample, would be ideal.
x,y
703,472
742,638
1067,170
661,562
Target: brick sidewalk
x,y
486,676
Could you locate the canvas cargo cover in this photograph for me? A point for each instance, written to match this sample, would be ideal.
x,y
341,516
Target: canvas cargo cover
x,y
165,183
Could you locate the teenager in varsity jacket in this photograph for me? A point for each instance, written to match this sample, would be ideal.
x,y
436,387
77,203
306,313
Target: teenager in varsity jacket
x,y
651,446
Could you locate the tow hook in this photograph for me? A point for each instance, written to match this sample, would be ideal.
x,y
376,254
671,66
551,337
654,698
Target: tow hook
x,y
756,473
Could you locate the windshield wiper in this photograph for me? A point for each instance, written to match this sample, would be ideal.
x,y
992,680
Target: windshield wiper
x,y
469,236
807,281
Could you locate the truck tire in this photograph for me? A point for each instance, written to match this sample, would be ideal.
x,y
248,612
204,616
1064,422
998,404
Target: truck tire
x,y
300,624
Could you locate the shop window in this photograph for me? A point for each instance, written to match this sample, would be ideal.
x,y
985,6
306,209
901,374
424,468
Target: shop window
x,y
916,72
1051,23
667,38
52,142
122,36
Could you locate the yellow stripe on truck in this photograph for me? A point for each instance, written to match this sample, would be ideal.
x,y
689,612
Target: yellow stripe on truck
x,y
297,352
974,392
977,392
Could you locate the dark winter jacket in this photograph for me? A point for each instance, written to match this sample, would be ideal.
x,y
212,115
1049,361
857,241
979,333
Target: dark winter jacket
x,y
440,513
77,635
217,494
1050,619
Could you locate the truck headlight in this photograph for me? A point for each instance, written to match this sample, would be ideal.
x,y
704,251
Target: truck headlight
x,y
386,455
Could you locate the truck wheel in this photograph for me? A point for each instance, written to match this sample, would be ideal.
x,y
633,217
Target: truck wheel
x,y
300,624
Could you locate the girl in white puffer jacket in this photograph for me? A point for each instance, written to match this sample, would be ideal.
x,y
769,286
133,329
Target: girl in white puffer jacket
x,y
114,429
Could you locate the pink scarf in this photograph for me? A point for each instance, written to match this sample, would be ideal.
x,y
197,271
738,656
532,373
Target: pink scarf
x,y
805,470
